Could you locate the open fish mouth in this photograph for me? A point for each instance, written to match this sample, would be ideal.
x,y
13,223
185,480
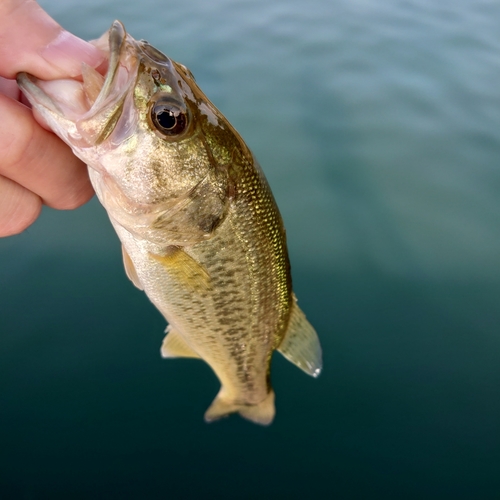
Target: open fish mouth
x,y
85,112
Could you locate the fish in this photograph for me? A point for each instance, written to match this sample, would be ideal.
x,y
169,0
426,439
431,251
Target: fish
x,y
201,233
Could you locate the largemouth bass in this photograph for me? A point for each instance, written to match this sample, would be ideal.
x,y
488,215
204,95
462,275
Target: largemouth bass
x,y
200,230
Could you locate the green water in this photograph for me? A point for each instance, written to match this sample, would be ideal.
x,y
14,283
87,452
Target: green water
x,y
378,126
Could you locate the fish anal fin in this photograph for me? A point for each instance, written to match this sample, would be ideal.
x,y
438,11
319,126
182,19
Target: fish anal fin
x,y
174,346
301,344
130,269
184,268
261,413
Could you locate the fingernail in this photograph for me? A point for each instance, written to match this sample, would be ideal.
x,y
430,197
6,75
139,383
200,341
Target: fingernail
x,y
67,52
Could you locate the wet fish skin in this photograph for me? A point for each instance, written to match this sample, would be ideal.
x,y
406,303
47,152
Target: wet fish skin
x,y
200,229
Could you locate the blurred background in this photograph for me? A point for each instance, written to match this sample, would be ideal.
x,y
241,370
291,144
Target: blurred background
x,y
378,127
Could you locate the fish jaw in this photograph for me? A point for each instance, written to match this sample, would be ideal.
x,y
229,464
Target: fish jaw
x,y
62,123
84,113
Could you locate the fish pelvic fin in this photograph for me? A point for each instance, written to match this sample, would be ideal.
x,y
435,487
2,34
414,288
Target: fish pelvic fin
x,y
301,344
174,346
261,413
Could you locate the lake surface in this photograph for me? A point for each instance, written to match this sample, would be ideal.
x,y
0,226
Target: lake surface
x,y
378,127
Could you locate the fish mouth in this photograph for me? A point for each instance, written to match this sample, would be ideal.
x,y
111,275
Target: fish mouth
x,y
85,112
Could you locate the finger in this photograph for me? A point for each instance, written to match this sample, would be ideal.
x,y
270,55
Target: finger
x,y
31,41
10,88
19,207
37,160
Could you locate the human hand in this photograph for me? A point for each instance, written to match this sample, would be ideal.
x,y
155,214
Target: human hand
x,y
36,167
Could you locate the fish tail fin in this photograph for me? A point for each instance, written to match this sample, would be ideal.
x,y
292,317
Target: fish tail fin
x,y
261,413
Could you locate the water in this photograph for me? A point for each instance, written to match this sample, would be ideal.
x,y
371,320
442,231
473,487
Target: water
x,y
378,126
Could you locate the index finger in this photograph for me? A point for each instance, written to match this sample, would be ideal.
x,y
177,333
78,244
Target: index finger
x,y
37,160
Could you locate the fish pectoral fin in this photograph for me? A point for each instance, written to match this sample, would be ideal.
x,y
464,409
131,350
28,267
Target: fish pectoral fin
x,y
130,269
174,346
261,413
301,344
184,268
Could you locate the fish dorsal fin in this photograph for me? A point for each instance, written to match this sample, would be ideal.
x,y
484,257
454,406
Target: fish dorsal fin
x,y
301,344
174,346
184,268
130,269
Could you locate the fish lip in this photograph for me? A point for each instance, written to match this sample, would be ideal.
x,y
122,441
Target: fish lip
x,y
27,83
116,38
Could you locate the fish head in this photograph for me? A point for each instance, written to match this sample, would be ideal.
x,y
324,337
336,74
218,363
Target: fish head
x,y
147,132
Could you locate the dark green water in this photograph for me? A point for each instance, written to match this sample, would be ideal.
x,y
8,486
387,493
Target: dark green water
x,y
378,126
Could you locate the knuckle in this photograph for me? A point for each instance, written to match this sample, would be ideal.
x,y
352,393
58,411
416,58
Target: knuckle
x,y
15,142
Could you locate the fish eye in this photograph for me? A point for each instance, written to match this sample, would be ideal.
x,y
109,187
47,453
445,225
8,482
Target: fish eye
x,y
168,118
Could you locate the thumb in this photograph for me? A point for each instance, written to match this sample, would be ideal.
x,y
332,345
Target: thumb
x,y
31,41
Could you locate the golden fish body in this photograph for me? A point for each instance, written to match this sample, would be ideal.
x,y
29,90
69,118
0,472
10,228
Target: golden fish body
x,y
201,232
